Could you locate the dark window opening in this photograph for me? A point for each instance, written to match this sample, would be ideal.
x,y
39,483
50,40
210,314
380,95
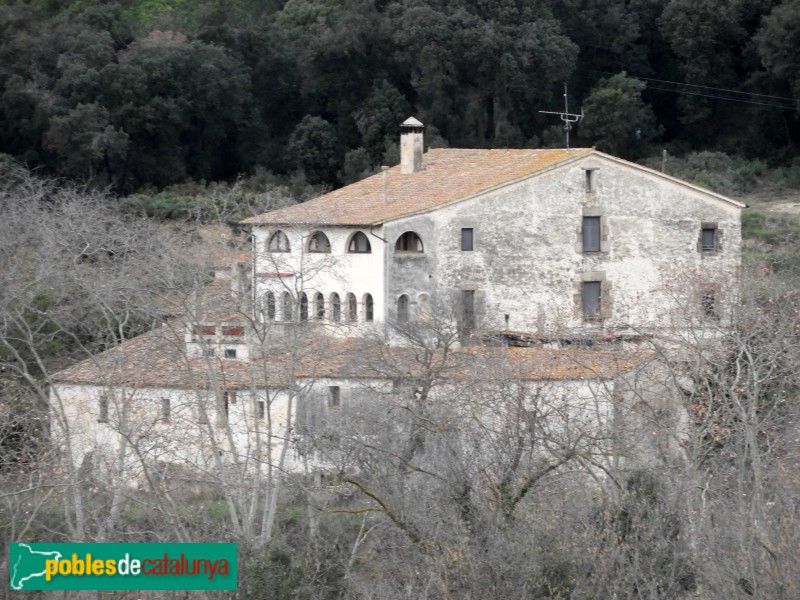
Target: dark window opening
x,y
228,398
359,244
466,239
278,242
166,409
591,234
303,307
230,352
467,311
336,308
286,301
261,410
708,302
319,306
709,241
334,396
590,181
409,242
319,243
270,306
591,299
369,308
402,309
352,307
102,406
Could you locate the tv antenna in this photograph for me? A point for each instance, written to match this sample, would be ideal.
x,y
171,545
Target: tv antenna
x,y
566,116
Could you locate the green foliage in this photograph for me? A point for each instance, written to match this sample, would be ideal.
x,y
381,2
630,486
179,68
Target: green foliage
x,y
156,92
617,120
730,175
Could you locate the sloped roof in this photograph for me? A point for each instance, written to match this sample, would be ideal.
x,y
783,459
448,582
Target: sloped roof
x,y
449,174
158,360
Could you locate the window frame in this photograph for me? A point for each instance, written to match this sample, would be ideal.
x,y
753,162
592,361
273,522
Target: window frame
x,y
352,308
403,302
319,306
281,240
592,224
334,397
229,354
588,311
336,307
409,242
369,308
467,239
352,244
102,408
314,240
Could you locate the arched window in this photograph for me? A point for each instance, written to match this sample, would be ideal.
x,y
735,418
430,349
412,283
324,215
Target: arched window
x,y
319,243
369,308
286,307
352,307
336,308
303,307
402,309
269,306
359,244
278,242
409,242
319,306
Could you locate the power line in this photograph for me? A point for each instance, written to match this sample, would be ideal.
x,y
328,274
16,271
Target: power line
x,y
783,102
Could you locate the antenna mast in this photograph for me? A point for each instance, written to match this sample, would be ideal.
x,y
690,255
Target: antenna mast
x,y
566,116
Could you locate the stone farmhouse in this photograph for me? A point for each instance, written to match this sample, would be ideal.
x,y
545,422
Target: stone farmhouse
x,y
544,268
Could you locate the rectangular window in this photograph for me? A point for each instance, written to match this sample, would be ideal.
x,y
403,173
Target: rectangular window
x,y
228,398
467,311
102,407
590,181
209,352
591,299
591,234
233,330
165,409
334,396
230,353
261,410
709,239
466,239
708,302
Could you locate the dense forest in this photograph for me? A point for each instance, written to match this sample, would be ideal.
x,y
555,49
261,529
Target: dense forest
x,y
139,95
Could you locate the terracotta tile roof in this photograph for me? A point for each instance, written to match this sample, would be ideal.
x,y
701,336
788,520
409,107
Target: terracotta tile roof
x,y
158,359
448,175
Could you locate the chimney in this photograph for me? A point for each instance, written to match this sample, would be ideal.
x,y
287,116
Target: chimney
x,y
411,142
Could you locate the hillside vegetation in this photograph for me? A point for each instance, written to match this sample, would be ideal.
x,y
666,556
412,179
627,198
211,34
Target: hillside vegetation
x,y
140,95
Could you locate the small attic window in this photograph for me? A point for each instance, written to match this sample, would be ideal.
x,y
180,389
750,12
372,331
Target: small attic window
x,y
409,242
590,180
359,244
319,243
278,242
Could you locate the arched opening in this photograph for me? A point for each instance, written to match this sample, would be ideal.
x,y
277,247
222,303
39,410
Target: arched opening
x,y
369,308
402,309
269,306
409,242
352,307
303,306
278,242
286,307
318,242
359,244
336,308
319,306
